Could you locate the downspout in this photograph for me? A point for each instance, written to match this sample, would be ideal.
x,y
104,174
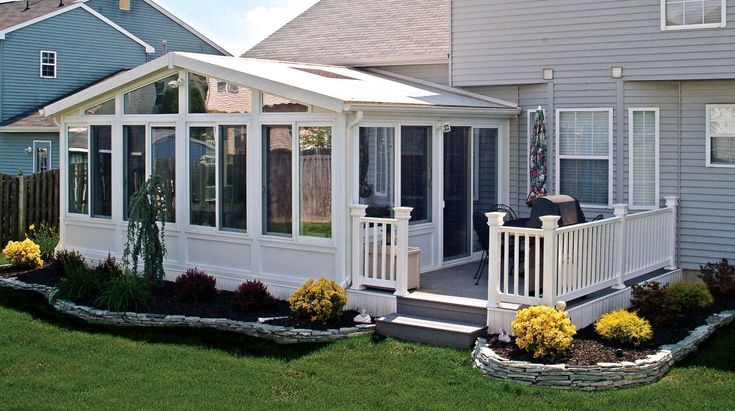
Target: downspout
x,y
359,115
678,174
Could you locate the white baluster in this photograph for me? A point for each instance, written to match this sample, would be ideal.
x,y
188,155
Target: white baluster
x,y
672,203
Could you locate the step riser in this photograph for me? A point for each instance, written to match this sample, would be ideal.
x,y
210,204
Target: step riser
x,y
429,336
442,311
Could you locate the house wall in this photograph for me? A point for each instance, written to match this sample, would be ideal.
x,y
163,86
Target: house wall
x,y
13,156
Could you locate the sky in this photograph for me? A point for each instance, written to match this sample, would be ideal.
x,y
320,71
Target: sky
x,y
236,25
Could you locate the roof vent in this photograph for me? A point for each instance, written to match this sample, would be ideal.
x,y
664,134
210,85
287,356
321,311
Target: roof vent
x,y
61,3
125,5
324,73
28,5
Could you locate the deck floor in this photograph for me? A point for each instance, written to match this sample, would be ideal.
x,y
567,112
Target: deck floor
x,y
455,281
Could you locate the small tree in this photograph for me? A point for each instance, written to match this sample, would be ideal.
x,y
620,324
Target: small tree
x,y
148,206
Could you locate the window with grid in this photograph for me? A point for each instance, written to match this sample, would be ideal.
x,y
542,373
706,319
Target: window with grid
x,y
643,159
48,64
677,14
721,135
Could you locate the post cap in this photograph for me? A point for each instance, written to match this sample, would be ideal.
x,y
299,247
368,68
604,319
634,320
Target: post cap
x,y
496,218
402,213
550,221
358,210
672,201
620,210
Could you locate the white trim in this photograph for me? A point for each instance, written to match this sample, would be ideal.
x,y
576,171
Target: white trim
x,y
609,157
186,26
9,129
657,155
148,48
709,136
41,64
666,27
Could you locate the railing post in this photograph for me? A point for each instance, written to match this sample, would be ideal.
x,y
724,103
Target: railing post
x,y
402,215
672,203
621,211
494,222
357,212
22,205
550,224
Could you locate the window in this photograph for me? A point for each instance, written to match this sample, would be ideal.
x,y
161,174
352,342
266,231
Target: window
x,y
643,137
209,95
103,109
416,171
377,170
202,176
685,14
721,135
134,156
277,180
78,143
233,172
275,104
160,97
315,170
101,149
163,164
42,156
48,64
584,147
485,170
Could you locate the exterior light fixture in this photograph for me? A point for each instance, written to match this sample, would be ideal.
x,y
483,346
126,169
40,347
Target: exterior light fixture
x,y
29,150
548,74
617,72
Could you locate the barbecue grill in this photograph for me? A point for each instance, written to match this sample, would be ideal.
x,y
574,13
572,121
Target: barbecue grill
x,y
562,205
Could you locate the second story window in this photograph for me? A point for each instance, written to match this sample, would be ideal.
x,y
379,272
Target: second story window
x,y
692,14
48,64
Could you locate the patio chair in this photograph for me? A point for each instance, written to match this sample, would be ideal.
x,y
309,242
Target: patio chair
x,y
483,233
599,217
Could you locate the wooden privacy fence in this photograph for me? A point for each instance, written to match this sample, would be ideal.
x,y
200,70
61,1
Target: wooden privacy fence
x,y
26,200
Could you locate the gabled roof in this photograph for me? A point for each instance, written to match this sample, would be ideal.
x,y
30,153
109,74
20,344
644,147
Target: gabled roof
x,y
331,87
362,33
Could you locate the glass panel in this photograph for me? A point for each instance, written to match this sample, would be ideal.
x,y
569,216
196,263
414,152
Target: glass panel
x,y
712,11
161,97
209,95
723,150
277,168
376,170
722,120
485,173
674,13
416,172
78,160
163,164
585,133
585,180
233,171
315,162
457,193
202,176
101,171
134,174
275,104
643,158
693,12
42,156
102,109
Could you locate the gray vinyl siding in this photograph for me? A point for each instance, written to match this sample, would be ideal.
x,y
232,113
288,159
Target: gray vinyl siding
x,y
510,42
435,73
13,156
153,27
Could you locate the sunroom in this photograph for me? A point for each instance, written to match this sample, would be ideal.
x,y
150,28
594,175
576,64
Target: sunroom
x,y
272,167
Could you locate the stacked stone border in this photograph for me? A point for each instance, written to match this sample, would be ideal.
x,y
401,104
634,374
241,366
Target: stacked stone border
x,y
276,333
602,376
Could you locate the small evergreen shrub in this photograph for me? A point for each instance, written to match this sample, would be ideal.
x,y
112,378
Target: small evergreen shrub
x,y
690,295
624,327
719,277
23,254
66,259
80,283
109,268
654,303
47,238
318,301
543,331
127,292
195,286
252,296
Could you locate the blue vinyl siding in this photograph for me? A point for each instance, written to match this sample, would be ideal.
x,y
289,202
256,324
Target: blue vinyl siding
x,y
13,156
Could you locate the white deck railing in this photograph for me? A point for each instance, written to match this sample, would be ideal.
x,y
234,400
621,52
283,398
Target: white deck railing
x,y
547,265
380,250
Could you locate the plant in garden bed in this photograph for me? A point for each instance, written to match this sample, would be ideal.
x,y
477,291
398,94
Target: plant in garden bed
x,y
195,286
653,301
690,295
543,331
80,282
47,238
624,327
127,292
23,254
318,301
252,296
719,277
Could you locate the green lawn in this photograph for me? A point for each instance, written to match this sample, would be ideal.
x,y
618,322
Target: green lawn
x,y
50,362
3,261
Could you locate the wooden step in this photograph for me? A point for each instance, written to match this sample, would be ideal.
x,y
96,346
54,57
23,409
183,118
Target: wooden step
x,y
441,307
430,331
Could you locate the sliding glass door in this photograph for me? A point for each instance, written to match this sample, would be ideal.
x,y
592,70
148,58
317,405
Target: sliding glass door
x,y
457,192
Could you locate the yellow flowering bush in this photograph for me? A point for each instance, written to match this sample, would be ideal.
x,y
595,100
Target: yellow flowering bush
x,y
318,301
624,327
24,253
543,331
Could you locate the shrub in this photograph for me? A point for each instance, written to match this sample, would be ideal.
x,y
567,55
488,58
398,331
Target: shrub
x,y
24,254
543,331
719,277
318,301
47,238
126,292
251,296
690,295
65,259
80,282
195,286
624,327
108,268
653,302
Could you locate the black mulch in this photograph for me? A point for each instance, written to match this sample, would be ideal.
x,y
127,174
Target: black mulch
x,y
344,320
588,348
49,274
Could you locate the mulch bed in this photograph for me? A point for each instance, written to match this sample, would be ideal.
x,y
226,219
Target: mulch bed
x,y
588,348
49,275
345,320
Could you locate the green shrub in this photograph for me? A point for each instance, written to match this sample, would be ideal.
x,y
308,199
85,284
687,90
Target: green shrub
x,y
318,301
624,327
690,295
127,292
80,283
654,303
543,331
109,268
719,277
46,236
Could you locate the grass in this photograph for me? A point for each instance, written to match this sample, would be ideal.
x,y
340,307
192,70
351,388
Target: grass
x,y
3,261
47,361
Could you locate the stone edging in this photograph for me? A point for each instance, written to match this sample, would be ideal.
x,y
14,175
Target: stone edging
x,y
276,333
602,376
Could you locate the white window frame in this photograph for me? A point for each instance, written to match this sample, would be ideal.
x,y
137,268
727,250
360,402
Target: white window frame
x,y
609,157
631,181
666,27
709,136
42,64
